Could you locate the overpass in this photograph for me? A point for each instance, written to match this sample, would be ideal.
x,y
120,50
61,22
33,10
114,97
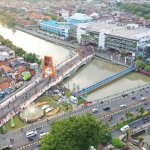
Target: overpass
x,y
105,81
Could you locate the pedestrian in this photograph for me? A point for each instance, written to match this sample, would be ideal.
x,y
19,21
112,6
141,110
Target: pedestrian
x,y
3,137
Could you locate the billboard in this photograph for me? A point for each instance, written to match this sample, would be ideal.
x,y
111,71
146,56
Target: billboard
x,y
48,67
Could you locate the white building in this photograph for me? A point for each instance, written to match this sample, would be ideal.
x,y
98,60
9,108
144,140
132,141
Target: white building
x,y
4,56
81,29
64,13
130,38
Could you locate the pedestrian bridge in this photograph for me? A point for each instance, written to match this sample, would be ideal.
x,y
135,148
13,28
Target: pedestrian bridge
x,y
105,81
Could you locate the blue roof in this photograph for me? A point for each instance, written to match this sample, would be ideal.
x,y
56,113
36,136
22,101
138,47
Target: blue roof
x,y
51,23
80,16
7,90
55,24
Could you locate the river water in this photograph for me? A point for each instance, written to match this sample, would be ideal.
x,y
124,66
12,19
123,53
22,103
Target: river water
x,y
91,73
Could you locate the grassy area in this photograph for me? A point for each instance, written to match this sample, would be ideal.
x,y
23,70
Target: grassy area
x,y
67,92
18,124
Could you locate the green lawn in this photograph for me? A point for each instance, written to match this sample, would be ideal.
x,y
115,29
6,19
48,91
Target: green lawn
x,y
18,124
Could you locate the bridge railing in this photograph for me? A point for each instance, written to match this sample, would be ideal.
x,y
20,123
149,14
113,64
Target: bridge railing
x,y
96,85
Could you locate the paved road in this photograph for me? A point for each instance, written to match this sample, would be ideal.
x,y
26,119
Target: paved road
x,y
21,139
34,87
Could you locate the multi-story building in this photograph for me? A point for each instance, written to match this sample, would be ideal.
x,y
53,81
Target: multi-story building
x,y
130,39
79,18
54,27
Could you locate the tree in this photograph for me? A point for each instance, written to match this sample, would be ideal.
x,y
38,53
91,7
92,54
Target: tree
x,y
128,134
76,133
129,114
138,63
117,143
54,17
141,110
141,138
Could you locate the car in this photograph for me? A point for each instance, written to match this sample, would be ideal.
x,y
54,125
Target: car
x,y
124,128
106,108
94,110
123,106
135,142
31,133
124,95
133,97
143,98
60,101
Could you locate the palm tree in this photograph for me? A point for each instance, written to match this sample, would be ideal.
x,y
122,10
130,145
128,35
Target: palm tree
x,y
129,114
128,134
141,138
142,110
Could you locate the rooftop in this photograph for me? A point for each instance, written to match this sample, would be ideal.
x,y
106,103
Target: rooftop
x,y
54,24
80,16
120,31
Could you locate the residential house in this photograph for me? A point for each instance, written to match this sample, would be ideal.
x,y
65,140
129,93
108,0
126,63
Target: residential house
x,y
6,83
36,17
7,70
7,52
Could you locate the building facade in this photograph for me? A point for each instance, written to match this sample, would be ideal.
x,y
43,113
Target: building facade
x,y
54,27
130,39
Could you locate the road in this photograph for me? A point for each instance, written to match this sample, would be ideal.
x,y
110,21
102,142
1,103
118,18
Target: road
x,y
20,138
23,95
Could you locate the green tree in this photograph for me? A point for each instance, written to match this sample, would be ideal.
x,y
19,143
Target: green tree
x,y
76,133
129,114
45,19
117,143
138,63
54,17
140,138
147,68
142,110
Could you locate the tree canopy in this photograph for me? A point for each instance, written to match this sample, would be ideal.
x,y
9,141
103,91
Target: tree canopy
x,y
137,9
76,133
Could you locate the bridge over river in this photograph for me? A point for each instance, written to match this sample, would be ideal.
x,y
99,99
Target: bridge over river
x,y
103,82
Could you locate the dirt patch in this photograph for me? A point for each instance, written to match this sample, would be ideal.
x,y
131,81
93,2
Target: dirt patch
x,y
40,103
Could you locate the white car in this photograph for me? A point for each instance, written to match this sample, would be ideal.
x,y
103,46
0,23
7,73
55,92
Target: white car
x,y
144,98
124,128
31,133
94,110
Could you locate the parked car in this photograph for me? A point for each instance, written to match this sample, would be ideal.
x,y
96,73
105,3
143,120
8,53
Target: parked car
x,y
94,110
135,142
106,108
133,97
124,128
123,106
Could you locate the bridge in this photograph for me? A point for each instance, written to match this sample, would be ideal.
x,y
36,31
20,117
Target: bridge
x,y
39,86
105,81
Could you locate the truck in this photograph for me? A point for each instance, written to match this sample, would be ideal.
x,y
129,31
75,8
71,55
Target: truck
x,y
73,99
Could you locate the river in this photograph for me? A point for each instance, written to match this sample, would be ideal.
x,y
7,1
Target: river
x,y
91,73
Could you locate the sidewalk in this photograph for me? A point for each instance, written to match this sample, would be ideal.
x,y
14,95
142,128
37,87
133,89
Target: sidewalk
x,y
113,58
